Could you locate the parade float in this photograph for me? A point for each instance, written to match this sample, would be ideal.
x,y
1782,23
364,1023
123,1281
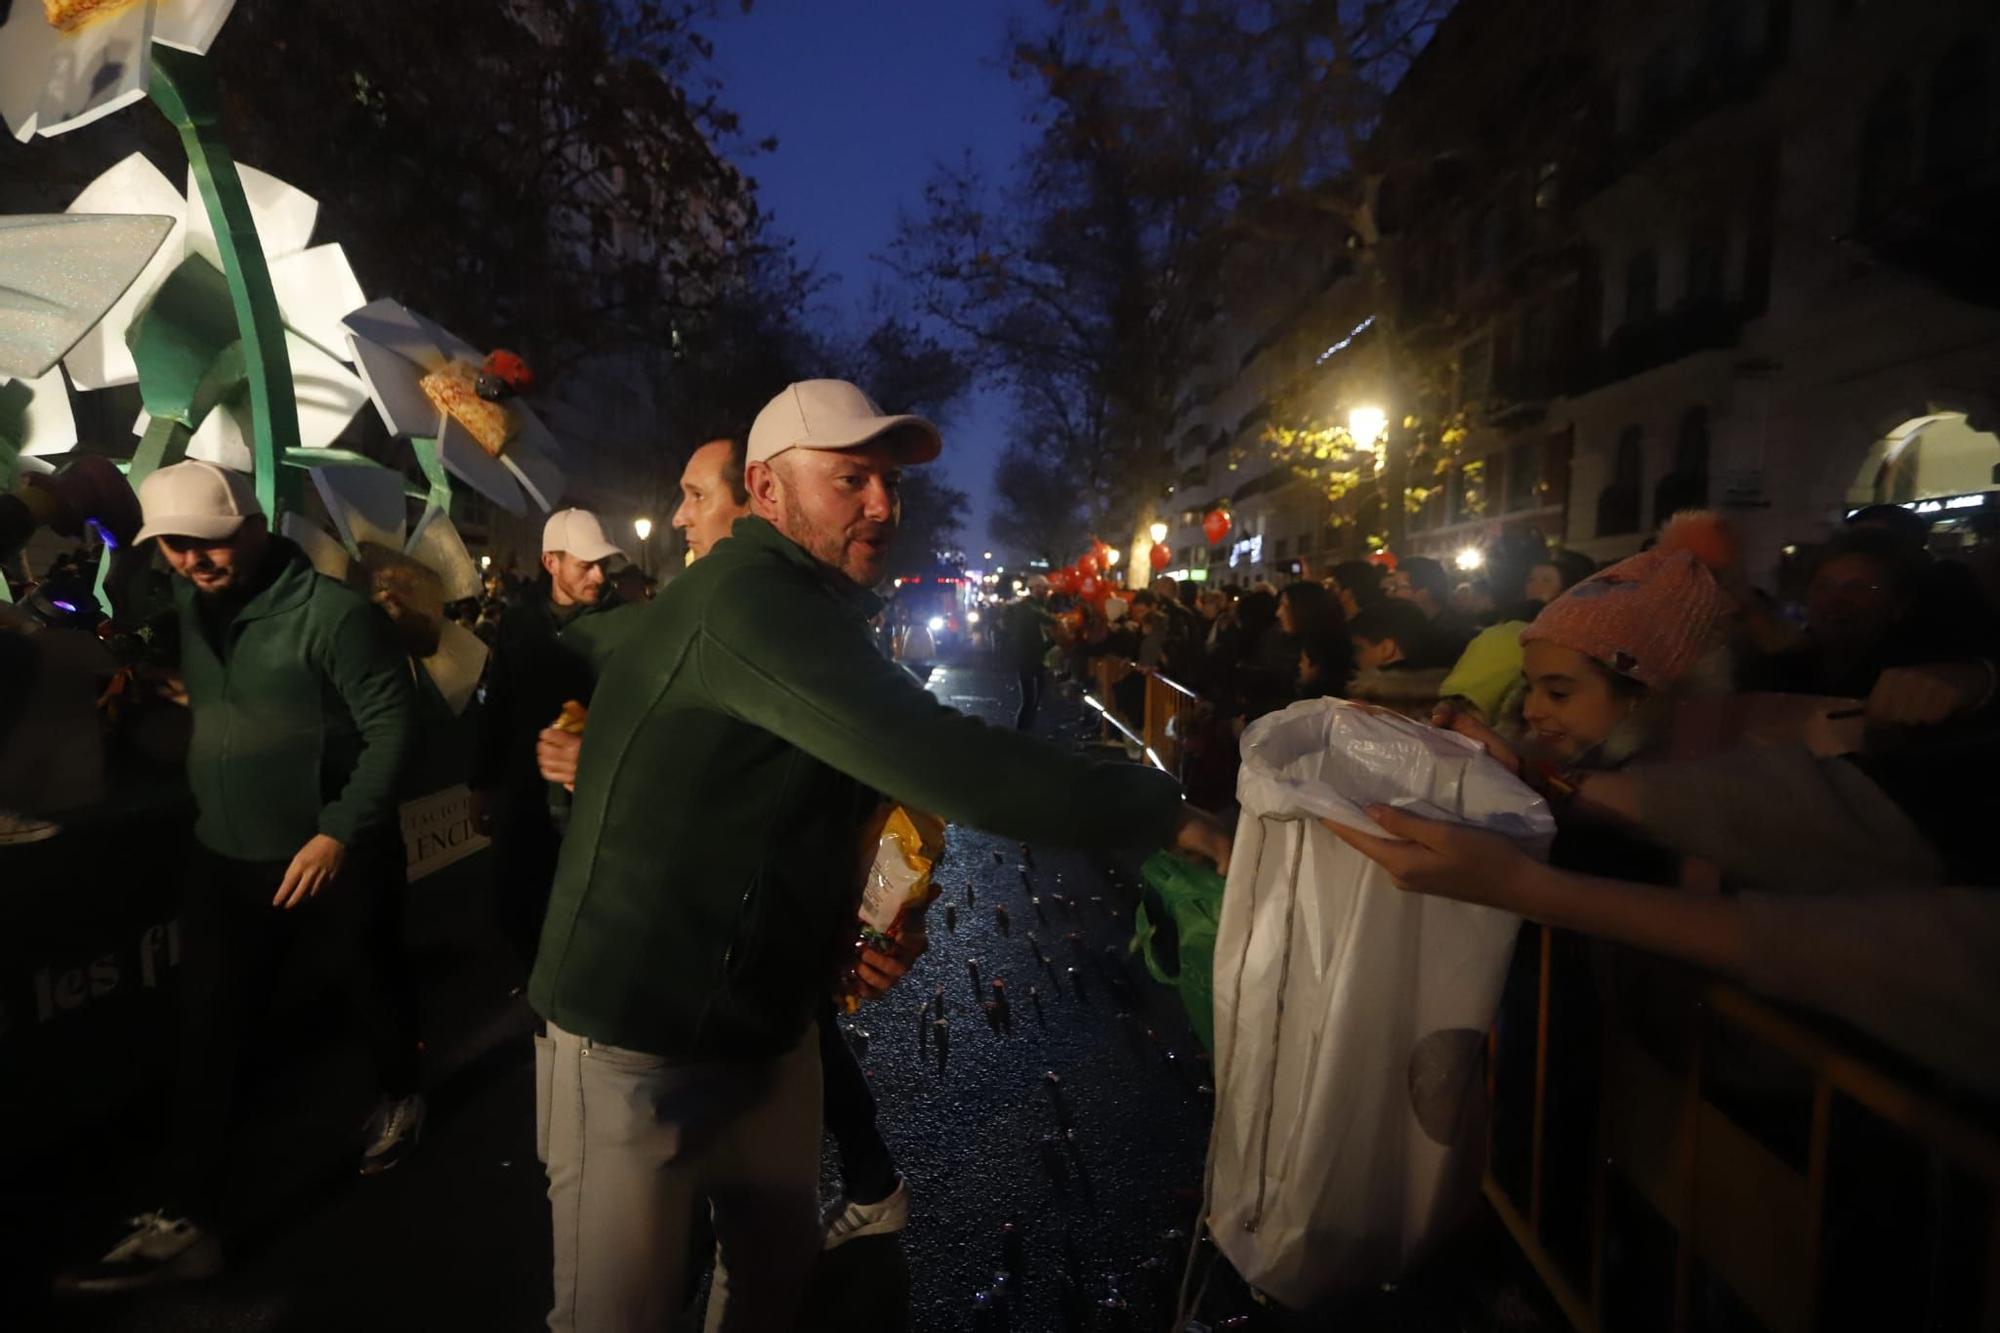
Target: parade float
x,y
251,347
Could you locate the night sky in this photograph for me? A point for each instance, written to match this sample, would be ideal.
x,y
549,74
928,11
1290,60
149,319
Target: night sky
x,y
864,96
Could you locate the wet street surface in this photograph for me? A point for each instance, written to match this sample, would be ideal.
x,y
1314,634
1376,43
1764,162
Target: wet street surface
x,y
1053,1142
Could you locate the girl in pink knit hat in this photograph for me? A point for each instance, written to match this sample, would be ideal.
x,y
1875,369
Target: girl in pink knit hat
x,y
1602,662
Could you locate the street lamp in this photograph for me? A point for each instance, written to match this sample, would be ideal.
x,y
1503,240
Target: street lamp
x,y
1366,424
1110,556
644,527
1158,532
1471,558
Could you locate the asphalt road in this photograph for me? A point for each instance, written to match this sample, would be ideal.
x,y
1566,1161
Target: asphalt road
x,y
1098,1169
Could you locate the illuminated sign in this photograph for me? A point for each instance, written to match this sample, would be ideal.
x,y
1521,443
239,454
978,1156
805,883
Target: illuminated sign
x,y
1249,551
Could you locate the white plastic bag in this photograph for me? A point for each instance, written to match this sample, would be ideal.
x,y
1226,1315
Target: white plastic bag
x,y
1350,1016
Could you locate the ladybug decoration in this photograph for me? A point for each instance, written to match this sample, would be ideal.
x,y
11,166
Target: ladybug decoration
x,y
502,375
1216,525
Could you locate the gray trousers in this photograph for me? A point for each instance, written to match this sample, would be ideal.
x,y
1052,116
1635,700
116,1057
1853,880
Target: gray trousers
x,y
635,1145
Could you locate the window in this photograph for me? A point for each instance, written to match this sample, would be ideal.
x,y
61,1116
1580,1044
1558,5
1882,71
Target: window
x,y
1524,475
1707,251
1281,548
1548,186
1659,87
1686,487
1618,504
1956,122
1476,371
1886,147
1642,288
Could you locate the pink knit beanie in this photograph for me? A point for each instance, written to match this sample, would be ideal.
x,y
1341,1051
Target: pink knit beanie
x,y
1651,617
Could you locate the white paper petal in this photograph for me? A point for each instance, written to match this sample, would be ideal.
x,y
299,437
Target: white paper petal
x,y
541,479
464,459
392,386
365,503
455,347
80,76
27,50
224,438
316,289
51,423
189,25
437,545
456,666
326,554
388,324
60,273
282,214
328,393
134,185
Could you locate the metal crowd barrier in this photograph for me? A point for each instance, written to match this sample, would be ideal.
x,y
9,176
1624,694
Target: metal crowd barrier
x,y
1746,1222
1159,733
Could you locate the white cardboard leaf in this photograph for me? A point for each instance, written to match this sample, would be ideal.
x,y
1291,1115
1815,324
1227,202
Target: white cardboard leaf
x,y
365,503
282,214
328,556
437,545
224,437
189,25
391,326
60,273
100,359
316,290
464,459
541,479
328,394
392,385
79,76
51,422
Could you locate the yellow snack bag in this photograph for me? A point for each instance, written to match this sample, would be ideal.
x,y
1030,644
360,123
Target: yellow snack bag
x,y
896,886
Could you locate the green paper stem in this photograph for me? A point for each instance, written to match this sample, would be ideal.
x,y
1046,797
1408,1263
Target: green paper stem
x,y
430,457
185,93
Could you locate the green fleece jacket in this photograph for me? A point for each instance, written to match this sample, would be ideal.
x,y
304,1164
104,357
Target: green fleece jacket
x,y
304,713
736,743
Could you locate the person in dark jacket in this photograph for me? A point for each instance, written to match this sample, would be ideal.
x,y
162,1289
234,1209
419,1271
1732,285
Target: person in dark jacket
x,y
543,657
737,742
303,713
1024,630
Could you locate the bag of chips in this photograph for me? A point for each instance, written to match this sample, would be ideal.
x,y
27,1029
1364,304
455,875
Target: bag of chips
x,y
896,888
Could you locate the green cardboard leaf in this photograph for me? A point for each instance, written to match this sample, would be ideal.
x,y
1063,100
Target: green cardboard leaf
x,y
179,341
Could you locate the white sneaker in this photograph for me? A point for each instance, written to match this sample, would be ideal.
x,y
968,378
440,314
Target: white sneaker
x,y
847,1220
160,1250
392,1133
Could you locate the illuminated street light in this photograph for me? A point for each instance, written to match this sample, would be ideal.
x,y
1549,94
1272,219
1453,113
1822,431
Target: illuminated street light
x,y
643,526
486,562
1158,532
987,556
1366,424
1110,556
1471,558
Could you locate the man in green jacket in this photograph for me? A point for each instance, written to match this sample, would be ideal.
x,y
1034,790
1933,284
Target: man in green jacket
x,y
303,710
736,743
546,655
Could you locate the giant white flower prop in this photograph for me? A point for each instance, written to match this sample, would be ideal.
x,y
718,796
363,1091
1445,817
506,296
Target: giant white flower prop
x,y
65,63
428,383
314,284
411,573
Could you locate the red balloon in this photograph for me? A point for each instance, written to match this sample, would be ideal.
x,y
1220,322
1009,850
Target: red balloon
x,y
1161,558
1216,525
1062,581
1089,565
1090,588
1383,560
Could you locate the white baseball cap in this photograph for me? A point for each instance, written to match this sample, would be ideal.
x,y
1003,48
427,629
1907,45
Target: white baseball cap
x,y
578,532
833,414
195,499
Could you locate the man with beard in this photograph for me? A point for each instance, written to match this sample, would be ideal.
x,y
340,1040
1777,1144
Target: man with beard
x,y
738,740
303,716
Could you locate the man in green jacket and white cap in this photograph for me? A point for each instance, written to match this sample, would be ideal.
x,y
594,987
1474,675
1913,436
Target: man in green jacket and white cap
x,y
737,742
303,717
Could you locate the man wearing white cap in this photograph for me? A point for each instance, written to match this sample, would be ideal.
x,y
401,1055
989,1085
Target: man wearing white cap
x,y
738,739
543,657
303,716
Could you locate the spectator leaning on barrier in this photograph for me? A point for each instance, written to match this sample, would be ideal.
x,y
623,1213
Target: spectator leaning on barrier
x,y
544,656
303,714
694,926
